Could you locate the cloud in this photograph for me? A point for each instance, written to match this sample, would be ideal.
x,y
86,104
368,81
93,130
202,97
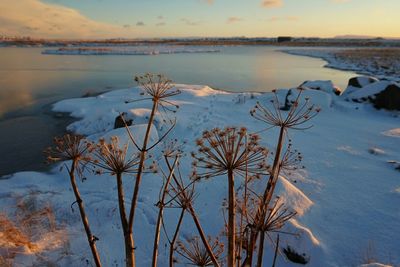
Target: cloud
x,y
190,22
234,19
288,18
37,19
160,17
210,2
271,3
140,23
161,24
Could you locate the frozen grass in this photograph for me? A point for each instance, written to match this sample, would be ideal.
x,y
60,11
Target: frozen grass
x,y
380,62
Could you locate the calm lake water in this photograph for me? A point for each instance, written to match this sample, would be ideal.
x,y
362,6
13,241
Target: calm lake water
x,y
30,82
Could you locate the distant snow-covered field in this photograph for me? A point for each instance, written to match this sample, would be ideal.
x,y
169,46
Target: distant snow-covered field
x,y
380,62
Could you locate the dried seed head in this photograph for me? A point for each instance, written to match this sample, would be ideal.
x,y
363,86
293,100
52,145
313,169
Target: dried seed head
x,y
222,150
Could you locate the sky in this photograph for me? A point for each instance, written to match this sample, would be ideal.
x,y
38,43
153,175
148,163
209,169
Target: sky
x,y
198,18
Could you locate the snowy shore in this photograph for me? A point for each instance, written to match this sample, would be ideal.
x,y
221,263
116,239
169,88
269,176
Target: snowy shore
x,y
347,198
383,63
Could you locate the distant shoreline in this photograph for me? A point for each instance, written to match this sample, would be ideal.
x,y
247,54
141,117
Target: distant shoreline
x,y
295,42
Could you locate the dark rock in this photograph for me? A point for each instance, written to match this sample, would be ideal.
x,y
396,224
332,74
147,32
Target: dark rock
x,y
294,256
119,121
288,103
388,98
361,81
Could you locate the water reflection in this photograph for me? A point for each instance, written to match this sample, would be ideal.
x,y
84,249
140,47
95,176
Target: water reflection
x,y
16,98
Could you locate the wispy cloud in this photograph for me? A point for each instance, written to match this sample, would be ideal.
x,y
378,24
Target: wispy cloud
x,y
271,3
37,19
288,18
161,24
234,19
140,23
190,22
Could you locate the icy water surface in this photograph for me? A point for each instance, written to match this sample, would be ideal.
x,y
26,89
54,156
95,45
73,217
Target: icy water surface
x,y
30,82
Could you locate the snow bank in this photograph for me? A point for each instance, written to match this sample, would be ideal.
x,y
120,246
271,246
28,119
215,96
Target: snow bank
x,y
393,132
344,200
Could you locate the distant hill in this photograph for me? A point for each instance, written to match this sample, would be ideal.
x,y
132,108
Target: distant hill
x,y
352,36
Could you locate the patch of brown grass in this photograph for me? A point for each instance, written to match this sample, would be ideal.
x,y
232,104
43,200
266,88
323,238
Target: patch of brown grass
x,y
11,237
32,231
383,60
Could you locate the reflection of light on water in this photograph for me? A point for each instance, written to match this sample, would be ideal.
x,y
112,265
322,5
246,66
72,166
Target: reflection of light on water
x,y
14,99
275,69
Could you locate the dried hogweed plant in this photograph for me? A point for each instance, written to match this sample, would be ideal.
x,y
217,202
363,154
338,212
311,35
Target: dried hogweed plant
x,y
228,152
291,159
158,88
74,148
274,220
300,112
182,196
196,254
114,159
161,205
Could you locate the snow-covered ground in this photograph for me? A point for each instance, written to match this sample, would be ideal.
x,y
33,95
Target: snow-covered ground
x,y
136,50
347,198
381,62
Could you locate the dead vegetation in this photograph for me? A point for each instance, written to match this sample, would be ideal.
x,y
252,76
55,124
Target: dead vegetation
x,y
31,232
384,61
255,211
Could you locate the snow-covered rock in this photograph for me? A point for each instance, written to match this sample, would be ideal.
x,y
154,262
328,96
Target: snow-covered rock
x,y
383,94
325,86
358,82
361,81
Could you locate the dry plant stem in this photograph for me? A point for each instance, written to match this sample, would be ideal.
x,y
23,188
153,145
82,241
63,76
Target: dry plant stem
x,y
143,153
269,191
128,238
252,244
202,235
85,221
260,249
128,231
231,220
160,214
197,223
267,196
243,214
174,238
276,251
